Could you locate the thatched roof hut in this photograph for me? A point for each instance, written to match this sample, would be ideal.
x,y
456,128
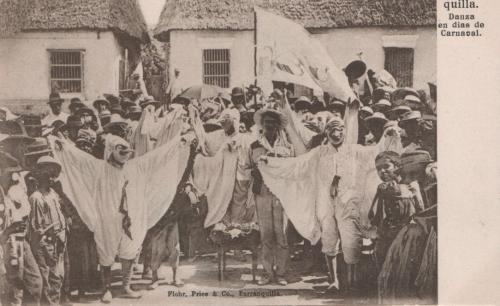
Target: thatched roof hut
x,y
313,14
123,17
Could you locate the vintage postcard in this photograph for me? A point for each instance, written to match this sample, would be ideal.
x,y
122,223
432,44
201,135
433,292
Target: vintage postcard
x,y
239,152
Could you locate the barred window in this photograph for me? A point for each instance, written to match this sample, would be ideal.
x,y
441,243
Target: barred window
x,y
216,67
66,70
399,63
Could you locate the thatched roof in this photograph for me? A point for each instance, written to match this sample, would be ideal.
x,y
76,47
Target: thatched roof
x,y
120,16
238,14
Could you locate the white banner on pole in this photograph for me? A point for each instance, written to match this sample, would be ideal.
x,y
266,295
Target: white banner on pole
x,y
287,52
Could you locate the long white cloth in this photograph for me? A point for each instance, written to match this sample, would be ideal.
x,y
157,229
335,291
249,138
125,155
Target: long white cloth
x,y
96,188
215,176
302,184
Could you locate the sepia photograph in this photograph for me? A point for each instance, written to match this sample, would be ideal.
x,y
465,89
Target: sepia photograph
x,y
207,152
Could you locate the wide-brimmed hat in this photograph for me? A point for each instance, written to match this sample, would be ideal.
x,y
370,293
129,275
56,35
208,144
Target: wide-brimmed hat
x,y
257,117
134,109
398,111
39,146
149,100
126,102
54,97
302,103
112,99
336,105
117,109
413,102
382,105
48,161
99,101
412,115
366,111
376,118
8,161
116,121
355,69
212,125
181,100
85,111
398,95
415,160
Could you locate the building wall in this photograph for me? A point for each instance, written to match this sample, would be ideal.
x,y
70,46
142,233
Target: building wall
x,y
343,45
186,50
24,64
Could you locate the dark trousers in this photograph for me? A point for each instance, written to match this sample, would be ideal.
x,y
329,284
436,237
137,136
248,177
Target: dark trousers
x,y
25,280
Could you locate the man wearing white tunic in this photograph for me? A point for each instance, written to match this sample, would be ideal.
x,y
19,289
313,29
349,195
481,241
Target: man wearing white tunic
x,y
118,199
330,179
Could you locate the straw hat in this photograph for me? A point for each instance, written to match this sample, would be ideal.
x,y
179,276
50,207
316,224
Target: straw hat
x,y
49,162
257,118
398,111
377,117
382,105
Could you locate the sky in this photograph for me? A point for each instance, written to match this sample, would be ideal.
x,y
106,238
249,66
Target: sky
x,y
151,10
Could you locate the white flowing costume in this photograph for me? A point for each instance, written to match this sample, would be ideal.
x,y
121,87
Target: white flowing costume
x,y
215,175
96,189
303,183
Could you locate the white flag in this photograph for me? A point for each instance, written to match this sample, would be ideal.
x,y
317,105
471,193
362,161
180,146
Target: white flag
x,y
287,52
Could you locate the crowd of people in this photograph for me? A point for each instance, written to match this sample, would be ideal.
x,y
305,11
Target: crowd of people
x,y
112,180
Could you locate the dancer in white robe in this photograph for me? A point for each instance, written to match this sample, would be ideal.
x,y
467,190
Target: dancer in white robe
x,y
331,180
119,199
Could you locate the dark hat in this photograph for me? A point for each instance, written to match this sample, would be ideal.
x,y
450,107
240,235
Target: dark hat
x,y
75,103
302,103
237,91
74,121
112,99
415,160
39,146
149,100
134,109
117,109
54,97
54,128
84,110
116,121
381,93
355,69
33,125
100,101
398,95
180,100
398,111
126,102
211,125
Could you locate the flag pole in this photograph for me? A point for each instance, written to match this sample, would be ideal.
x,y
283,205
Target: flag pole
x,y
255,54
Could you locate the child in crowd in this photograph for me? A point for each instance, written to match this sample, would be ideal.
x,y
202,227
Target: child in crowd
x,y
394,202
